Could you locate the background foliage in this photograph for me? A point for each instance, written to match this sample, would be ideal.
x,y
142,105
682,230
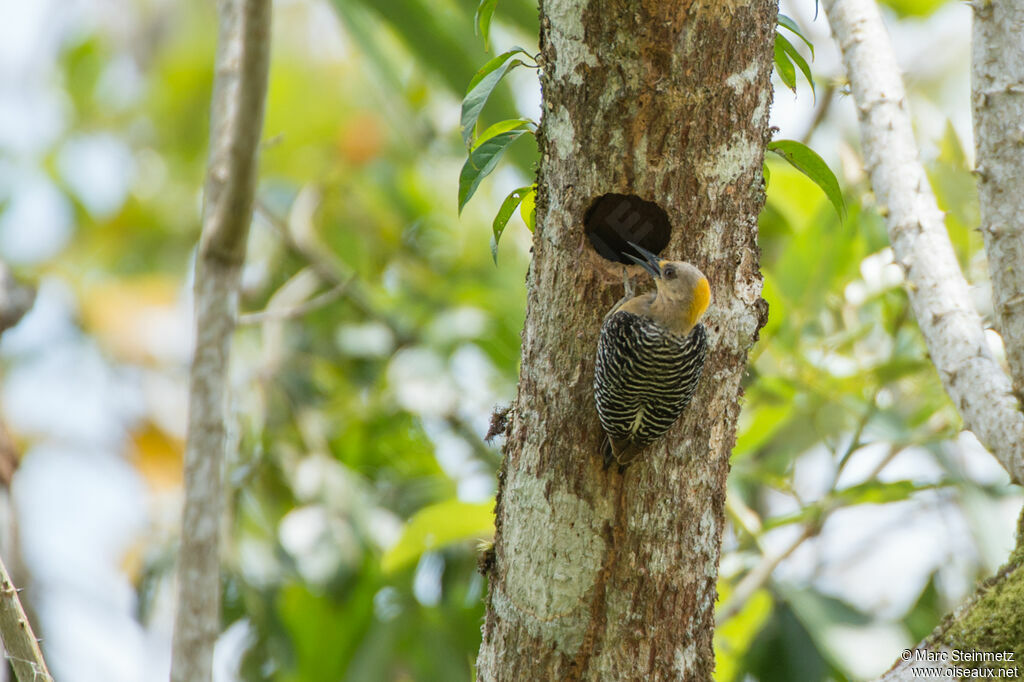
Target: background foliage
x,y
362,483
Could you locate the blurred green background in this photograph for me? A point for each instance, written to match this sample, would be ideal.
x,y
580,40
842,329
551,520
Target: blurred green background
x,y
362,483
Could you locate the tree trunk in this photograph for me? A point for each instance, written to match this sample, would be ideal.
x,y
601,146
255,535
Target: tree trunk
x,y
997,74
236,123
596,574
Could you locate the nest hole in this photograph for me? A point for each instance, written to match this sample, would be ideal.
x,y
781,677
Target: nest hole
x,y
614,220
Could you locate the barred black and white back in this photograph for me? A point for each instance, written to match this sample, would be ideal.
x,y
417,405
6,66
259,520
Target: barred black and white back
x,y
644,378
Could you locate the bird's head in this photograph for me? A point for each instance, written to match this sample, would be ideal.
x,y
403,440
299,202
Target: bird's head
x,y
683,291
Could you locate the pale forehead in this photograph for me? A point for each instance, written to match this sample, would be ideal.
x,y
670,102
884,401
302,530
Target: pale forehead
x,y
685,269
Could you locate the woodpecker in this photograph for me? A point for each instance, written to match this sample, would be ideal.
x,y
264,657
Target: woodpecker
x,y
650,357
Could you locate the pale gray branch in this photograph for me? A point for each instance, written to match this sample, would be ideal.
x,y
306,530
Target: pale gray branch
x,y
998,96
938,292
236,122
239,92
300,310
759,575
330,270
20,642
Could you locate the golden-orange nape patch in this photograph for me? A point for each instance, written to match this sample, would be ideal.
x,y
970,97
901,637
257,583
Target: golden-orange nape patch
x,y
701,300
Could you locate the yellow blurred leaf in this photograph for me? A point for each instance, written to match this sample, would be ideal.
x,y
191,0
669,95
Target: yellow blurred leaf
x,y
131,317
158,457
360,140
132,561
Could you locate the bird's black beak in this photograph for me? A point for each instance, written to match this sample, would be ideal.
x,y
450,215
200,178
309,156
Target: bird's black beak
x,y
649,262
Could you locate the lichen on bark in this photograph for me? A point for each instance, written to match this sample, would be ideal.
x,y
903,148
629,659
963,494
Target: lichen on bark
x,y
992,622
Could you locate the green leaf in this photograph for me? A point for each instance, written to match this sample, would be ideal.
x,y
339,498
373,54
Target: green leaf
x,y
760,424
437,38
312,622
528,209
481,162
877,492
807,161
869,492
482,20
928,610
481,87
820,613
797,58
784,67
766,173
788,23
493,64
914,8
436,526
503,127
810,513
734,637
508,207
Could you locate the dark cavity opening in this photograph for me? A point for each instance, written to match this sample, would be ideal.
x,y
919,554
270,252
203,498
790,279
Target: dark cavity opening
x,y
614,220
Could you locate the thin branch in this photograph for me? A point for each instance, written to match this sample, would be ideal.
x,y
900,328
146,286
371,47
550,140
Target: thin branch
x,y
20,642
335,273
824,106
762,573
893,451
239,93
855,440
301,310
938,292
345,281
465,430
997,81
759,575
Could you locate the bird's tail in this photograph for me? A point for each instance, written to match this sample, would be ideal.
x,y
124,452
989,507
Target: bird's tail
x,y
621,452
606,451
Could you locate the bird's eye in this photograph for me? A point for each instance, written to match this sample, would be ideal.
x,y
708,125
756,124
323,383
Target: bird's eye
x,y
670,272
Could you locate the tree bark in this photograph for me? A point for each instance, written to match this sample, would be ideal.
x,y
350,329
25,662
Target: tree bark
x,y
595,574
997,68
22,647
16,616
239,93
